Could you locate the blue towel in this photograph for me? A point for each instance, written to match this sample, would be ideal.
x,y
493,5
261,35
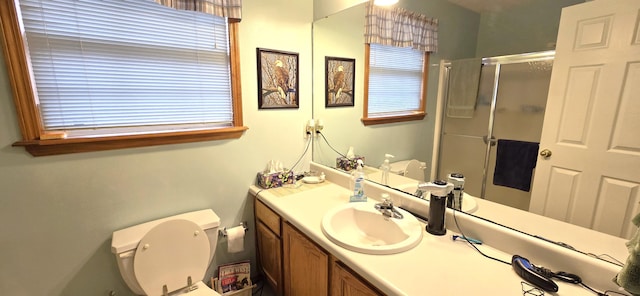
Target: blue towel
x,y
515,161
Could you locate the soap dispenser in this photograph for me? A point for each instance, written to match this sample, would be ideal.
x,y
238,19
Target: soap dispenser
x,y
437,205
357,183
386,168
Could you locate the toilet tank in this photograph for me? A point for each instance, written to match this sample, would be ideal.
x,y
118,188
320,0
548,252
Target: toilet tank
x,y
125,241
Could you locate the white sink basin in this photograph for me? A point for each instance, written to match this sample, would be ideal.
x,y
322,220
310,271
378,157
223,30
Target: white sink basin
x,y
360,227
469,204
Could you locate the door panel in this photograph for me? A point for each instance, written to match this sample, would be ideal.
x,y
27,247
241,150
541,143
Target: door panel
x,y
625,131
582,86
618,198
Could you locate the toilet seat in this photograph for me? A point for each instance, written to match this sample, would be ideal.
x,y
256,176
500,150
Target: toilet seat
x,y
415,170
168,254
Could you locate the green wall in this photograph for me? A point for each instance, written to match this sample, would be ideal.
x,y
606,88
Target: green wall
x,y
57,213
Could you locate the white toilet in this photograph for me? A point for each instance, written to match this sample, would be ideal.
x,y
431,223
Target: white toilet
x,y
167,253
412,168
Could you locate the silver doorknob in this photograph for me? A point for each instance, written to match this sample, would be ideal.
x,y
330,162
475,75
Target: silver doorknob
x,y
545,153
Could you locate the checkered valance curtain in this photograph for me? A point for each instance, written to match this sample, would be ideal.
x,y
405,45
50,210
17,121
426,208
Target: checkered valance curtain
x,y
224,8
401,28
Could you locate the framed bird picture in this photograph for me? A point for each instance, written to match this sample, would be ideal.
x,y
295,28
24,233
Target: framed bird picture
x,y
340,81
277,79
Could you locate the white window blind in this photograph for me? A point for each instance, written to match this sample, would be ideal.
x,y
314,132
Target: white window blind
x,y
395,80
116,66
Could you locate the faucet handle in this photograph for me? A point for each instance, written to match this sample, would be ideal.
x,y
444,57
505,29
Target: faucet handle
x,y
386,203
386,199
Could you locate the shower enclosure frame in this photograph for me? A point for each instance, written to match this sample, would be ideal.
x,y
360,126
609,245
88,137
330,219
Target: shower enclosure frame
x,y
443,92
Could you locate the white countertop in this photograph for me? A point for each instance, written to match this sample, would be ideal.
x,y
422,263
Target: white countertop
x,y
437,266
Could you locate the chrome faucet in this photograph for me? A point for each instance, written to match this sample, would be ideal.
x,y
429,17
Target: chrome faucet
x,y
387,209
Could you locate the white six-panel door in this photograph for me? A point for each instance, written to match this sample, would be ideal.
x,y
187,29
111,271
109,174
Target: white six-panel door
x,y
592,120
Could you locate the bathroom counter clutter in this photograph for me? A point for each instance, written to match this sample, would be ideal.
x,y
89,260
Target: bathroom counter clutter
x,y
298,187
438,265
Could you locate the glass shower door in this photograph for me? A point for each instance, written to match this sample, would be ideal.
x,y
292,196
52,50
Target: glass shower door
x,y
511,108
519,113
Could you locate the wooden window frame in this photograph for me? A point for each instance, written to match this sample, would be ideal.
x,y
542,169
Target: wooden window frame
x,y
38,142
415,115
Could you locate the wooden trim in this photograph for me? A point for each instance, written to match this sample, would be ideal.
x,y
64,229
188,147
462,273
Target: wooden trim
x,y
425,82
39,142
19,74
76,145
365,101
417,115
236,87
393,119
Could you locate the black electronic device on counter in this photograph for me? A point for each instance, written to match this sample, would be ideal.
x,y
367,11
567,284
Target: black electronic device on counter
x,y
437,205
532,274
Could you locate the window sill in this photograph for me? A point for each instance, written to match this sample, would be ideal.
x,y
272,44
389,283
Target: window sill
x,y
77,145
393,119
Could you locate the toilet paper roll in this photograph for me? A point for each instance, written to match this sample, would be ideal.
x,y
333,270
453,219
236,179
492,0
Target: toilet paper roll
x,y
235,239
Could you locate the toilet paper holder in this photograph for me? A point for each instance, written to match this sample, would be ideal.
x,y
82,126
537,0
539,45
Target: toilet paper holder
x,y
223,231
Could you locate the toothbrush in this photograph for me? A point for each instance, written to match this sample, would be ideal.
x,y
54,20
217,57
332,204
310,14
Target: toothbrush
x,y
471,240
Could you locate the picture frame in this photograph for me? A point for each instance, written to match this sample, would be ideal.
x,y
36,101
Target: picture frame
x,y
339,81
277,79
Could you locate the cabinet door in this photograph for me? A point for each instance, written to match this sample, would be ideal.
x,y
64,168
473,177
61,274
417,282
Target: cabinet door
x,y
345,283
306,266
269,251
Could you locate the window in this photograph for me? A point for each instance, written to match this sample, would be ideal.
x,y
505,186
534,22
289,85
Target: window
x,y
395,84
98,75
397,47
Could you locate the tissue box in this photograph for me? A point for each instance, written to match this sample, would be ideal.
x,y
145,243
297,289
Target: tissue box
x,y
347,164
274,180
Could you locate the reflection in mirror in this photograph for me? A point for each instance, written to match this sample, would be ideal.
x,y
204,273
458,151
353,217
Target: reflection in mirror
x,y
514,112
494,29
447,144
341,35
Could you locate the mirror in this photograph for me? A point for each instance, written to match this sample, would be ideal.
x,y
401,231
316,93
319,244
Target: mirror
x,y
497,29
494,29
341,35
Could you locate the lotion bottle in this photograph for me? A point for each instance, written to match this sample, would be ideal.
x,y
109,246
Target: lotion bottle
x,y
357,183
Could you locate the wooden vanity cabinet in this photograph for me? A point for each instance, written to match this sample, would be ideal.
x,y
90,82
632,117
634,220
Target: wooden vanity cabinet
x,y
306,266
269,245
344,282
294,265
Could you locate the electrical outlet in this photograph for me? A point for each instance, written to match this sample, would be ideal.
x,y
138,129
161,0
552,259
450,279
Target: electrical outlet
x,y
309,128
319,125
